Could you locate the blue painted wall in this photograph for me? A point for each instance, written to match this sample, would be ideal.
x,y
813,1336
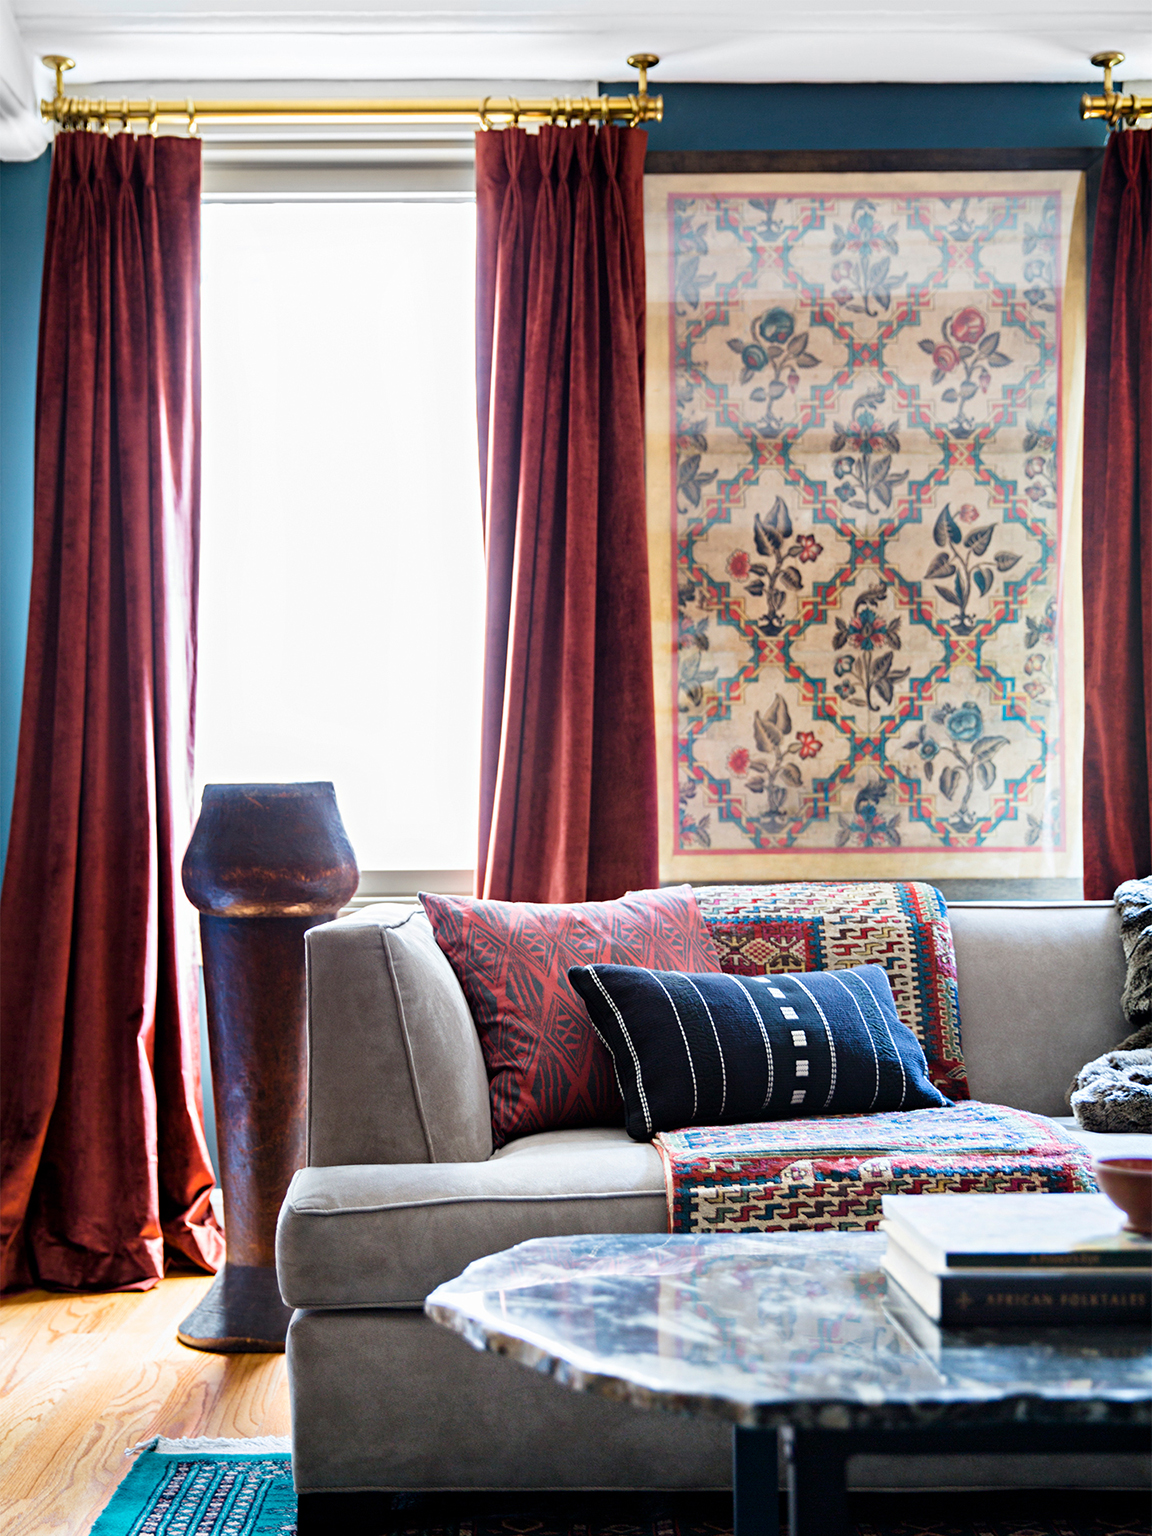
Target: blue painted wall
x,y
23,210
698,117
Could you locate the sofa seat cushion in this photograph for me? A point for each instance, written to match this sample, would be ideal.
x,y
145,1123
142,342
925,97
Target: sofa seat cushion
x,y
384,1235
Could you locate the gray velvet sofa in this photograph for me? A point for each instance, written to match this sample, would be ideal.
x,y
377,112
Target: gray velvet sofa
x,y
402,1190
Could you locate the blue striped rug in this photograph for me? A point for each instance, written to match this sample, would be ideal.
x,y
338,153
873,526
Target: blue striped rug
x,y
205,1488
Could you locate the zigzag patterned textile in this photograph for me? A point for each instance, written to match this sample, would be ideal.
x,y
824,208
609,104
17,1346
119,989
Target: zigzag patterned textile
x,y
832,925
829,1174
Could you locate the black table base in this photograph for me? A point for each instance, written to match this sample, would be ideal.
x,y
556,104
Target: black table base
x,y
818,1462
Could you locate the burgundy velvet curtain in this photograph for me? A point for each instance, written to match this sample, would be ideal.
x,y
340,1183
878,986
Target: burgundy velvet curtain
x,y
1118,525
568,774
104,1160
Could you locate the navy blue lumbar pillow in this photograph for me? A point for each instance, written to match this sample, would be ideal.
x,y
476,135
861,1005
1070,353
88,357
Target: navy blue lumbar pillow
x,y
715,1049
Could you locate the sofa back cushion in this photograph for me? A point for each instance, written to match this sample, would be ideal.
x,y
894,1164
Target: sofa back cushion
x,y
395,1073
546,1067
826,925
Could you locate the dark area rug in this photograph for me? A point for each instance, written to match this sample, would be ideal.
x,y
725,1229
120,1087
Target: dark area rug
x,y
1016,1513
202,1492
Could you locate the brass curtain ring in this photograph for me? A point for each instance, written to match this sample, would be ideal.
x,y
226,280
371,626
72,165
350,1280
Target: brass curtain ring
x,y
485,120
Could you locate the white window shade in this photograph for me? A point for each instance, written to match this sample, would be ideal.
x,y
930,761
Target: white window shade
x,y
341,576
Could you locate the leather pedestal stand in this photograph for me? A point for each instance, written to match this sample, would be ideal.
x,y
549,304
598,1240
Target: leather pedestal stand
x,y
266,863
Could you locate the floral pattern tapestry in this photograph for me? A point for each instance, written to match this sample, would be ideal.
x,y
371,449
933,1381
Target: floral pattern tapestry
x,y
863,500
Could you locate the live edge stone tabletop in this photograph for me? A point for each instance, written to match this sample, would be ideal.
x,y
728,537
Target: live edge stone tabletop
x,y
794,1334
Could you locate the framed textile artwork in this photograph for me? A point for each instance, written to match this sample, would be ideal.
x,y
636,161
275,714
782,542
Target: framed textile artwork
x,y
863,491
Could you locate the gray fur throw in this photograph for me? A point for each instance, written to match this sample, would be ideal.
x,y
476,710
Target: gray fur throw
x,y
1134,903
1114,1092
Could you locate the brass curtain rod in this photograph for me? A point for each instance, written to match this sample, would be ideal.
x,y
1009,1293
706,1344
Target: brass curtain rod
x,y
1116,110
75,112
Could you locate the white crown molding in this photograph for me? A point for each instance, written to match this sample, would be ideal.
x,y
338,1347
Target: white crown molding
x,y
293,89
584,40
23,133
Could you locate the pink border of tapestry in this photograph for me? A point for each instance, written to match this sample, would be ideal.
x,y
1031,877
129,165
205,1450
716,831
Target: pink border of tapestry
x,y
673,768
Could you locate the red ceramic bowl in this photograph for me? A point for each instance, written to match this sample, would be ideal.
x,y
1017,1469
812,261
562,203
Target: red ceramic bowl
x,y
1127,1181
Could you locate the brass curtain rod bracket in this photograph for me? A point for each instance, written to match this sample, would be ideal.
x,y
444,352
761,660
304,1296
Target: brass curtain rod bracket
x,y
1117,110
77,112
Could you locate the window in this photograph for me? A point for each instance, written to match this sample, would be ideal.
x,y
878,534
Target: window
x,y
341,574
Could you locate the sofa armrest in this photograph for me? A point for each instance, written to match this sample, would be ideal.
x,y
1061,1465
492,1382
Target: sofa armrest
x,y
1039,986
395,1071
386,1236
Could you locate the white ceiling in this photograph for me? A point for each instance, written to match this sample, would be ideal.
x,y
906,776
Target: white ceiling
x,y
724,40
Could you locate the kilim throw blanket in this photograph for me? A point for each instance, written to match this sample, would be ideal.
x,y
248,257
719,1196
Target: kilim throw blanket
x,y
829,1173
830,925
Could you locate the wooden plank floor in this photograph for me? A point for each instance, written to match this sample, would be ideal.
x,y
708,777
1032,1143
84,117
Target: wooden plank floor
x,y
82,1378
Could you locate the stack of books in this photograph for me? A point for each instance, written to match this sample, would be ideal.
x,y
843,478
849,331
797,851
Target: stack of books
x,y
970,1260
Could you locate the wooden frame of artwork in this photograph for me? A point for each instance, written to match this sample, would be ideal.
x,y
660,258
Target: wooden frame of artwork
x,y
864,376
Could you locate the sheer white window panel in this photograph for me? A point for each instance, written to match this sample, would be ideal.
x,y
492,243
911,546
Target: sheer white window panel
x,y
341,574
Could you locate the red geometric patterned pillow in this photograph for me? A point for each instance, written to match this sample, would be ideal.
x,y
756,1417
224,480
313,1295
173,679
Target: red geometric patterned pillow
x,y
546,1067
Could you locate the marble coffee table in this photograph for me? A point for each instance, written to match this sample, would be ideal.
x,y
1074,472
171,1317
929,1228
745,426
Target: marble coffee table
x,y
793,1335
